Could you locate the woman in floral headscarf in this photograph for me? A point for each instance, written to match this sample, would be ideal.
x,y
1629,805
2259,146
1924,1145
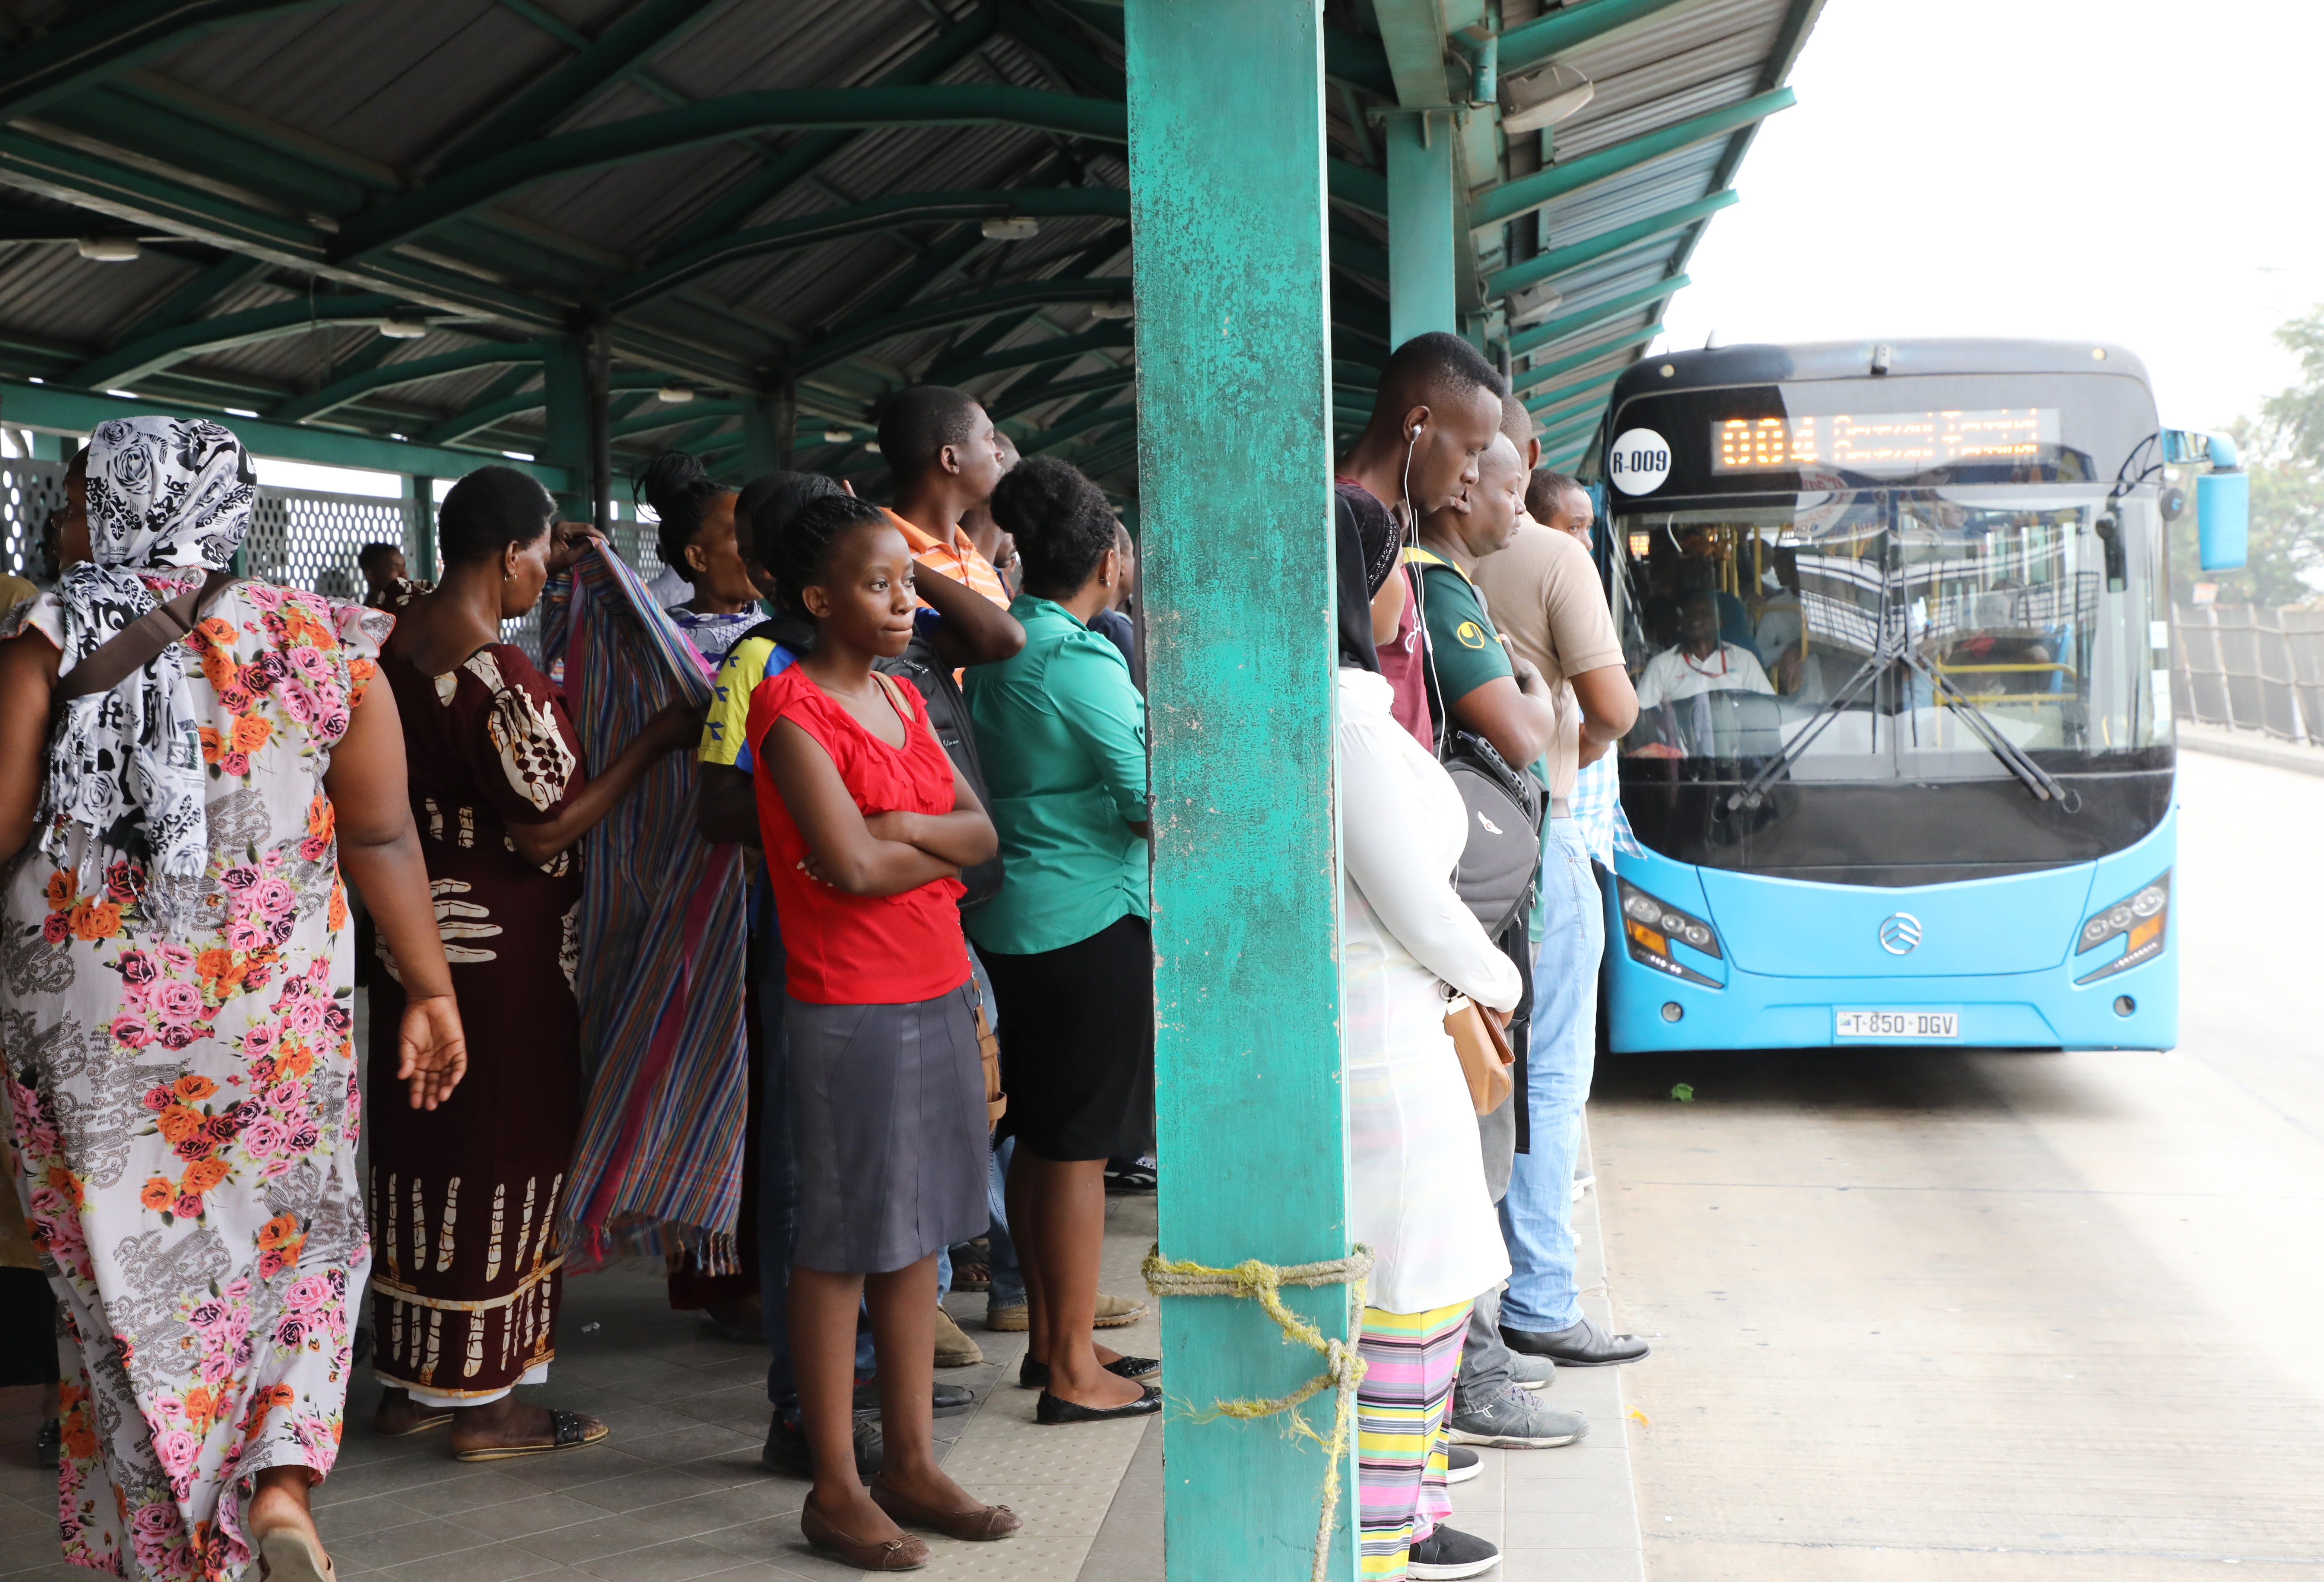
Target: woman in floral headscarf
x,y
175,984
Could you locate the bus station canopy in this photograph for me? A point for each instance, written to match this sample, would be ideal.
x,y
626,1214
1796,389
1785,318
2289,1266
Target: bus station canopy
x,y
421,233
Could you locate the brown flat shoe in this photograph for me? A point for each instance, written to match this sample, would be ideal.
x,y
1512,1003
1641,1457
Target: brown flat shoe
x,y
982,1526
898,1554
568,1430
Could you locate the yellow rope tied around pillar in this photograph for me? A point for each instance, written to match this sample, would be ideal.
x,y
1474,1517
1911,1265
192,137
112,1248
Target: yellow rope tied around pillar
x,y
1344,1369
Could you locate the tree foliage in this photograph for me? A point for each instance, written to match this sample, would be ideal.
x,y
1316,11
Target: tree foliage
x,y
2284,451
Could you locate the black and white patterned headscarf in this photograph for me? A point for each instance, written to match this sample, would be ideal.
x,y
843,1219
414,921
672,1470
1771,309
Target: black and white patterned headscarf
x,y
125,766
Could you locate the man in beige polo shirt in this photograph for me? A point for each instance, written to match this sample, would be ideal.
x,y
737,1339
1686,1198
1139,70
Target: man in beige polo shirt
x,y
1546,598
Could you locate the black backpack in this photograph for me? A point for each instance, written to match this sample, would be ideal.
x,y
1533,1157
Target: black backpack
x,y
1502,857
1503,853
926,671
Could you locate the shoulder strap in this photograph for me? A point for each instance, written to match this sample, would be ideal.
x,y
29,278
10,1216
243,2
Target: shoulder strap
x,y
134,645
895,691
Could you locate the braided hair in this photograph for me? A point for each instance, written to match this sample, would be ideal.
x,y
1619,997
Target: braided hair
x,y
802,554
764,510
679,491
1062,522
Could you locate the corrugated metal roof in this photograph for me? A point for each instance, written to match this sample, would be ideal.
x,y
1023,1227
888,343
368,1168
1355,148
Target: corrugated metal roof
x,y
276,134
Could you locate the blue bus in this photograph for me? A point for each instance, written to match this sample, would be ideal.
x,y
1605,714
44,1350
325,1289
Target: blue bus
x,y
1898,616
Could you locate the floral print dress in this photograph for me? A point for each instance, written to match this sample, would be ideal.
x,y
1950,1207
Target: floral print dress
x,y
185,1106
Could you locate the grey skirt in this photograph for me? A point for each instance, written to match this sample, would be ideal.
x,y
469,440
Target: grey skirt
x,y
888,1119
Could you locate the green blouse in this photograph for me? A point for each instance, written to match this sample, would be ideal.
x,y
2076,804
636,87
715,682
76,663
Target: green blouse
x,y
1061,734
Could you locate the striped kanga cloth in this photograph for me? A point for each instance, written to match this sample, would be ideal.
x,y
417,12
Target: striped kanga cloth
x,y
662,934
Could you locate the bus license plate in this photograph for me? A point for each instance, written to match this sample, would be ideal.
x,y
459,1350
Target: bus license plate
x,y
1897,1024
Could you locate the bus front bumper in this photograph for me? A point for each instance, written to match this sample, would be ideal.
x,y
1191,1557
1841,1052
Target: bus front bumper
x,y
2025,1010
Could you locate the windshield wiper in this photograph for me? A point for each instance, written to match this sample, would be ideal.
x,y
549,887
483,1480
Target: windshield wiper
x,y
2037,780
1755,790
1893,646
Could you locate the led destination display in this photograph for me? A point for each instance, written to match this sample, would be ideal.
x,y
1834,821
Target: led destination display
x,y
1880,441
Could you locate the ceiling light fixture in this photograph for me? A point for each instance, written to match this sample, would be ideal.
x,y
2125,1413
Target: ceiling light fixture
x,y
1529,303
403,328
837,435
107,249
1011,229
674,395
1543,98
1111,309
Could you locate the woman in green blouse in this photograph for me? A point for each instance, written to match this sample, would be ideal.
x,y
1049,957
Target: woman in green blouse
x,y
1062,732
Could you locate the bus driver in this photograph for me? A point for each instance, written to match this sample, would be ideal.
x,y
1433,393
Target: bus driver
x,y
1700,662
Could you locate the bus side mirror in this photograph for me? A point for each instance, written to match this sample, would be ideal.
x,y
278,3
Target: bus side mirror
x,y
2223,518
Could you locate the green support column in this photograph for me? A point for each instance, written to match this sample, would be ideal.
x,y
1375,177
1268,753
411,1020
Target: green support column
x,y
770,429
1420,296
1234,416
565,384
419,526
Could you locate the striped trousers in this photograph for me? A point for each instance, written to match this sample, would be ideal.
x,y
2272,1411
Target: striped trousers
x,y
1409,1363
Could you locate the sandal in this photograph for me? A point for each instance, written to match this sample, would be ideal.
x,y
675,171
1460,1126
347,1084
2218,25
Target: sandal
x,y
568,1430
421,1427
287,1554
972,1276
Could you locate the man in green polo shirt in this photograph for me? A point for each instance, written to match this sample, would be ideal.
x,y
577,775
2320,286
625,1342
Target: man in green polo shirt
x,y
1475,682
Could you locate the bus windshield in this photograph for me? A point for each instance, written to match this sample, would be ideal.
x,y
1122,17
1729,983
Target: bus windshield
x,y
1855,633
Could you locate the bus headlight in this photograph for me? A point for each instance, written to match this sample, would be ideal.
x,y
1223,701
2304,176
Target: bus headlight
x,y
2142,917
1650,925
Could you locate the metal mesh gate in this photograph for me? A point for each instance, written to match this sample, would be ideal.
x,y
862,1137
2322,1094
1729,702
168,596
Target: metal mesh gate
x,y
2252,669
296,537
29,492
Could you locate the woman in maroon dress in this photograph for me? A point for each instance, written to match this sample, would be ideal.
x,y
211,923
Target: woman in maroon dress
x,y
465,1197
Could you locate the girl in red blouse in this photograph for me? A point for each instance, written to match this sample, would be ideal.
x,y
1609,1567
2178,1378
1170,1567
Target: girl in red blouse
x,y
866,826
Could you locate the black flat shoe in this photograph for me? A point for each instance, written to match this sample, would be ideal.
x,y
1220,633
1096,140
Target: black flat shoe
x,y
1579,1344
48,1442
1034,1376
1050,1412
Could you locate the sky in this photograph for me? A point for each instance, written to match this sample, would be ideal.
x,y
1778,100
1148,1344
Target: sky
x,y
2124,170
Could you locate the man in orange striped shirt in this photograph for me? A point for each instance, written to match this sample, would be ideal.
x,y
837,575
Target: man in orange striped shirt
x,y
941,448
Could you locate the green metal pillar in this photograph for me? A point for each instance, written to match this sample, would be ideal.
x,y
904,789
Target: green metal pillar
x,y
1420,296
419,526
770,429
565,387
1234,417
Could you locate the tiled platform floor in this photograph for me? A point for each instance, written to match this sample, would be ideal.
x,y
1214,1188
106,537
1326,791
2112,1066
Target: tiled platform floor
x,y
677,1492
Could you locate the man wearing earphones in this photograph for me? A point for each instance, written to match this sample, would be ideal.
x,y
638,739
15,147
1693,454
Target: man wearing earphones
x,y
1439,407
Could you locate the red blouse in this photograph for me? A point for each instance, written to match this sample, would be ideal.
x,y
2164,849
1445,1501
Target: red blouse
x,y
840,949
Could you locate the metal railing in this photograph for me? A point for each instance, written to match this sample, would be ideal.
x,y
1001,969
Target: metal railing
x,y
2250,667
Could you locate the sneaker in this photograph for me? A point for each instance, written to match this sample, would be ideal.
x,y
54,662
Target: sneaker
x,y
953,1347
1531,1372
1114,1311
1450,1552
944,1400
1517,1421
787,1453
1462,1464
1129,1175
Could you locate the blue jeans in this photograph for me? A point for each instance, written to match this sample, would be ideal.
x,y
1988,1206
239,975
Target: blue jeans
x,y
1007,1275
1537,1214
